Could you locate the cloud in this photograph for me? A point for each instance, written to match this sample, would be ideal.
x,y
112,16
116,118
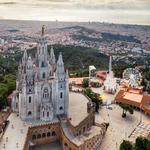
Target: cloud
x,y
82,4
8,3
71,10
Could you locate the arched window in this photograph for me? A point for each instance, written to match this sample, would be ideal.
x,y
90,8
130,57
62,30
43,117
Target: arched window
x,y
45,93
29,99
16,105
61,86
48,134
30,90
43,76
42,64
66,144
53,133
61,108
29,113
47,114
38,136
42,50
33,137
43,114
43,135
61,95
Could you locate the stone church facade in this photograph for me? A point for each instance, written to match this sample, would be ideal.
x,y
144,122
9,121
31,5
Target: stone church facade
x,y
42,85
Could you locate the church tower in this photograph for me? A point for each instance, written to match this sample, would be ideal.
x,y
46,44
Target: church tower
x,y
26,104
42,57
61,88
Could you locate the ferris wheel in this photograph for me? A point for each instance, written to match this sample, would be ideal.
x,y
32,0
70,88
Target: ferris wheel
x,y
132,76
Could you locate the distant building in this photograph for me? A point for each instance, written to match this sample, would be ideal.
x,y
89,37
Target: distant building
x,y
110,84
134,98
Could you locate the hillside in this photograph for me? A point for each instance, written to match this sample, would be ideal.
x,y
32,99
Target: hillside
x,y
76,58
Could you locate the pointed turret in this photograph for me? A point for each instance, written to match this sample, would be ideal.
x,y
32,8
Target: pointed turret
x,y
60,59
25,57
67,74
60,72
110,63
24,61
110,66
29,63
52,56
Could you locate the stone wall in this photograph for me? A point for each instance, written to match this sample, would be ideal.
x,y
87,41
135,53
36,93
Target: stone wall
x,y
83,126
67,144
42,134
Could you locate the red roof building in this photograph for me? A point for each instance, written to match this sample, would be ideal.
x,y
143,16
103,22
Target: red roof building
x,y
135,99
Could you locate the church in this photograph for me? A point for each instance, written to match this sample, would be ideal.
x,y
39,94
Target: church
x,y
46,110
42,84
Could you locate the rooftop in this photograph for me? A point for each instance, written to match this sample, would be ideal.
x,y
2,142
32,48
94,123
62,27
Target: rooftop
x,y
133,97
77,81
77,107
136,99
78,140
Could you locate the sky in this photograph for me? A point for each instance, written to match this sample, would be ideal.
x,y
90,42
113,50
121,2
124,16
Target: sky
x,y
112,11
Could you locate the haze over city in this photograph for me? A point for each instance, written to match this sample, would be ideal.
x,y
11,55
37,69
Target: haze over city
x,y
112,11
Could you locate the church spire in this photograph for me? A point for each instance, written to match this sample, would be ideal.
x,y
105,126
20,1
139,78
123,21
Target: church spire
x,y
29,63
60,72
52,56
25,56
110,67
110,64
60,59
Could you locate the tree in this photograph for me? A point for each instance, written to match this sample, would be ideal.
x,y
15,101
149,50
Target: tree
x,y
95,98
142,144
126,108
126,145
85,83
7,85
3,95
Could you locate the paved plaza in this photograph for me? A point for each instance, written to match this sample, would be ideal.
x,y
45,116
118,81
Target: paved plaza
x,y
15,134
105,96
77,107
120,128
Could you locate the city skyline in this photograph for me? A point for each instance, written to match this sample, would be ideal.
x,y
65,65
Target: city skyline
x,y
112,11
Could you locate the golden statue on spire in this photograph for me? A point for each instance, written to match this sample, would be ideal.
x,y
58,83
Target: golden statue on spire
x,y
43,30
